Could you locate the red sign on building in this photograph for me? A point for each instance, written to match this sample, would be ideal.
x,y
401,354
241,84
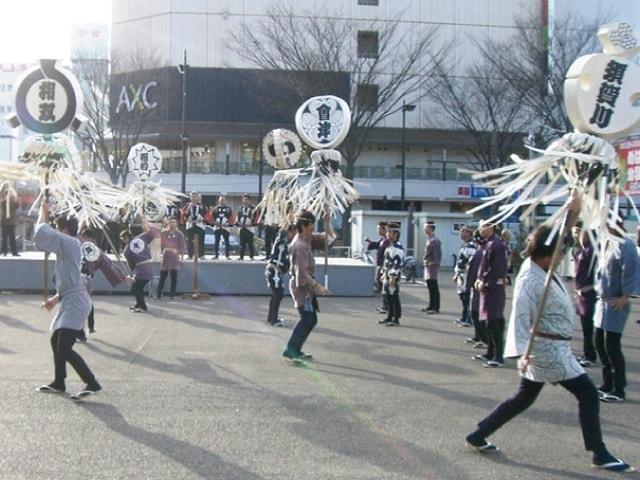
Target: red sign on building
x,y
629,164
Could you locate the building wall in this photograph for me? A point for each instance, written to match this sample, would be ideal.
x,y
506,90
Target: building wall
x,y
10,138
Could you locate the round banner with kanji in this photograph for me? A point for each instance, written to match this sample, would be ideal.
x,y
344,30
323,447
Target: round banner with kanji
x,y
281,148
323,122
144,160
47,99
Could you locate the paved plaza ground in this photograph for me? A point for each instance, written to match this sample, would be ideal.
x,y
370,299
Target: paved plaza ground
x,y
196,389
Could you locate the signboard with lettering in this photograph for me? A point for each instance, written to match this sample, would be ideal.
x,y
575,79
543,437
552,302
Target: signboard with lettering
x,y
601,90
47,99
323,122
629,165
144,160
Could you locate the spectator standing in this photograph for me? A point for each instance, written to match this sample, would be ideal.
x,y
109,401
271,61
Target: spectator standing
x,y
222,220
194,218
9,216
246,220
431,261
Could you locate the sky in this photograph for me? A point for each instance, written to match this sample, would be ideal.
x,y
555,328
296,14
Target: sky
x,y
33,29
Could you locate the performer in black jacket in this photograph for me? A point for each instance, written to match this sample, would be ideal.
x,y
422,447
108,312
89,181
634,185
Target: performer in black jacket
x,y
194,215
278,265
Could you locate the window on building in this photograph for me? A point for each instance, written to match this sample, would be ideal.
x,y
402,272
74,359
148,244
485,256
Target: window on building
x,y
373,3
249,156
367,44
367,97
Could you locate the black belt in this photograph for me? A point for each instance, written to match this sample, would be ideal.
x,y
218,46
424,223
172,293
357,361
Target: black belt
x,y
552,336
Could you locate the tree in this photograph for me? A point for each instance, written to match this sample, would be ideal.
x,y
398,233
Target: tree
x,y
384,63
535,62
515,89
485,105
111,133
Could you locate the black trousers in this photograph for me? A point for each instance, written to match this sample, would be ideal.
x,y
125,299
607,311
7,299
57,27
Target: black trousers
x,y
173,283
137,290
479,328
91,321
62,342
270,233
609,347
465,296
588,407
192,233
586,320
495,336
275,282
394,307
216,246
9,239
303,327
246,240
434,295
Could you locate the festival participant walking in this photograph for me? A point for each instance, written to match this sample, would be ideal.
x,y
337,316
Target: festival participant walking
x,y
618,281
551,359
277,267
432,259
174,247
490,283
71,297
390,275
94,259
303,285
138,255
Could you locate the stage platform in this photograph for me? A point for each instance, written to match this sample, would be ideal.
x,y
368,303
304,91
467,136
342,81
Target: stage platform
x,y
347,277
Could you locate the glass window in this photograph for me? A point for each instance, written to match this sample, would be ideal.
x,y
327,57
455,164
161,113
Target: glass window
x,y
367,44
367,97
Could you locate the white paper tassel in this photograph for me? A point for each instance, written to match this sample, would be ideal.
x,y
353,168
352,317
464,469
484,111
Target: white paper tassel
x,y
149,200
327,191
281,199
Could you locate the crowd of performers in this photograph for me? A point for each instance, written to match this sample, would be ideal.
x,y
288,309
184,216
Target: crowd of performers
x,y
480,274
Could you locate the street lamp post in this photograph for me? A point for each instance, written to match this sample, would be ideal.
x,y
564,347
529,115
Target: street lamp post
x,y
406,107
182,68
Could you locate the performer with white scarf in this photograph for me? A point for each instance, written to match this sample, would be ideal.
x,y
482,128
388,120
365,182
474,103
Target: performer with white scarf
x,y
551,359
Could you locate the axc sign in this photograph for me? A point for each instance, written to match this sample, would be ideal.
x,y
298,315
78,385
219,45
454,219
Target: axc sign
x,y
136,97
